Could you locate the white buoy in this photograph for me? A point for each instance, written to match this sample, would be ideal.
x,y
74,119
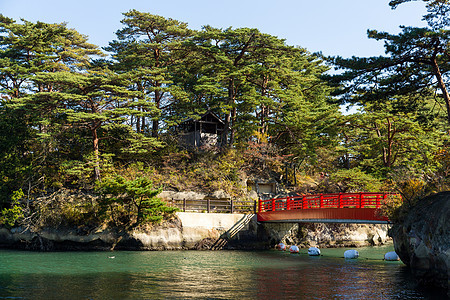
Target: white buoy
x,y
313,251
293,249
281,247
351,254
391,256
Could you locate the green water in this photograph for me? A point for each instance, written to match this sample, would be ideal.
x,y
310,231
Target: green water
x,y
205,275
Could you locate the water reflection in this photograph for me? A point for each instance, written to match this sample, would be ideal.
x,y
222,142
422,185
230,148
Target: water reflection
x,y
332,279
198,274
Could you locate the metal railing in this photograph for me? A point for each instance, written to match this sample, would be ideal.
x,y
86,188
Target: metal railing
x,y
215,205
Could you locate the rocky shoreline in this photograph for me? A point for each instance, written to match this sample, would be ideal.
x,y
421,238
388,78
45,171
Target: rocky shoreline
x,y
197,231
422,240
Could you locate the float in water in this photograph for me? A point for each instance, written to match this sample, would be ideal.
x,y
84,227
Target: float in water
x,y
391,256
313,251
293,249
281,247
351,254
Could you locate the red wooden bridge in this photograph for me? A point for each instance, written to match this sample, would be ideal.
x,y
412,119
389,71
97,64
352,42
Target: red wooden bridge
x,y
324,208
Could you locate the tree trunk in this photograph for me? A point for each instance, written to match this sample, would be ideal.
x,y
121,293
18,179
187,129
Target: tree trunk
x,y
138,123
140,128
224,137
155,124
228,119
390,136
441,84
95,141
233,121
264,108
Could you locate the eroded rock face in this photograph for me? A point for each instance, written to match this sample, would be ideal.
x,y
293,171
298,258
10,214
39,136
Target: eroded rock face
x,y
184,231
327,235
422,240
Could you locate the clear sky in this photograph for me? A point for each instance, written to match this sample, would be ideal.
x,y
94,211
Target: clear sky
x,y
334,27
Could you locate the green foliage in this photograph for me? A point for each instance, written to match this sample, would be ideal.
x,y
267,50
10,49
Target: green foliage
x,y
10,216
79,173
77,120
355,180
132,202
380,140
438,12
15,164
415,66
147,49
412,189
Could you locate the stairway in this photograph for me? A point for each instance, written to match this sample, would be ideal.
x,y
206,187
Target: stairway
x,y
226,236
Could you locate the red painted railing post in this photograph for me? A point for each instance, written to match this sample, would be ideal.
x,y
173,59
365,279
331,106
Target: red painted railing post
x,y
321,201
288,203
340,200
361,200
260,206
384,200
273,204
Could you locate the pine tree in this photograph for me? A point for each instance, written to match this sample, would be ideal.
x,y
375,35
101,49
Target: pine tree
x,y
146,49
27,51
385,143
417,63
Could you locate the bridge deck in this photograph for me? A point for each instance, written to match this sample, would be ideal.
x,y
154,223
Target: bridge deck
x,y
324,208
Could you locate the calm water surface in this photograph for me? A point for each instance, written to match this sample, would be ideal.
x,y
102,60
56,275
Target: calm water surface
x,y
205,274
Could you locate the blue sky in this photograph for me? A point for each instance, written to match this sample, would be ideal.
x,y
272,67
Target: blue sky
x,y
335,27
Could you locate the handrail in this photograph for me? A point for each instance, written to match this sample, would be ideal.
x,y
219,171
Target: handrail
x,y
215,205
318,201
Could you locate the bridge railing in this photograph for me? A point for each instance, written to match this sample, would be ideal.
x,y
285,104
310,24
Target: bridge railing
x,y
336,200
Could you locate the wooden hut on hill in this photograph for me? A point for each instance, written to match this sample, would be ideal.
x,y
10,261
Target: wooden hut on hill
x,y
202,133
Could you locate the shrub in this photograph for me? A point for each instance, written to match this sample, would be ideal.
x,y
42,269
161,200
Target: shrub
x,y
132,202
10,216
391,207
355,180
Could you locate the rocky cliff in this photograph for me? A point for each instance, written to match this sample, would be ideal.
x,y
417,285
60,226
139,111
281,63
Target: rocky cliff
x,y
422,240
